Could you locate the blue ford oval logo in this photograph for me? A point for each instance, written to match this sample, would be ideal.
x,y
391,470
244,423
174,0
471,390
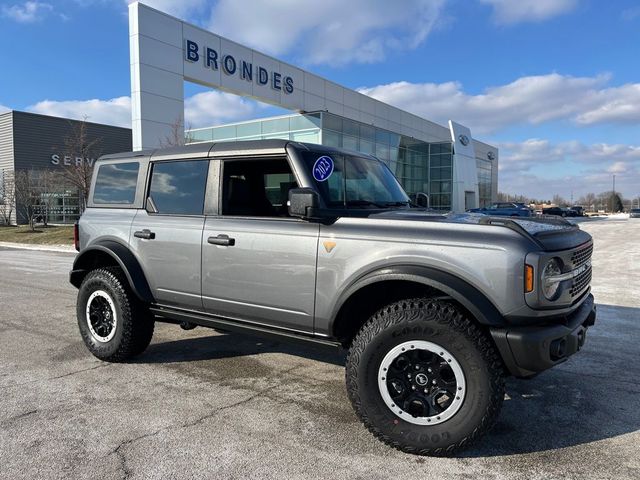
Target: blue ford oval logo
x,y
323,168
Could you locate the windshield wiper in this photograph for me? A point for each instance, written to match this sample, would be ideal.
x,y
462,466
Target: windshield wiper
x,y
398,204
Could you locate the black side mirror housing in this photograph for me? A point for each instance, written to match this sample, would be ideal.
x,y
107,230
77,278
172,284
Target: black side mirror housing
x,y
303,202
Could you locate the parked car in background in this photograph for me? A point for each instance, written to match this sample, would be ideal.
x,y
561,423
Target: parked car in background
x,y
554,211
570,212
507,209
579,209
634,213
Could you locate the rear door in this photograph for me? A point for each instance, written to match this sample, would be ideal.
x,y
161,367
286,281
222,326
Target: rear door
x,y
259,264
168,237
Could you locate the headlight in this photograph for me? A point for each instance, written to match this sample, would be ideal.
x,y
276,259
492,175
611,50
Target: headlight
x,y
550,285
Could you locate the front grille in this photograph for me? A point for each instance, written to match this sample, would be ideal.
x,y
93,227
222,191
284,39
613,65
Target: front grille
x,y
581,256
580,282
578,259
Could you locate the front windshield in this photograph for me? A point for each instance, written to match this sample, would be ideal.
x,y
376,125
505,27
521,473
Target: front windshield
x,y
354,182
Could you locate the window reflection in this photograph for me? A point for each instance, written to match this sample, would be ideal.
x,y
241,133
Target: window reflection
x,y
116,183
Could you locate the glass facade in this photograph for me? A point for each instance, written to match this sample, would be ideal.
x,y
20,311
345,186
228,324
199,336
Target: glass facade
x,y
419,166
301,128
484,181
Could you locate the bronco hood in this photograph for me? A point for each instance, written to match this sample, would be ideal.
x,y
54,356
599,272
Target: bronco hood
x,y
551,233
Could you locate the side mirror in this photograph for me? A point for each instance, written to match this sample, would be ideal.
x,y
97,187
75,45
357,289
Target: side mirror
x,y
422,200
303,202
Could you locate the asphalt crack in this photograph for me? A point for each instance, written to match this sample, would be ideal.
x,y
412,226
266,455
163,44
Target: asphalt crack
x,y
124,467
102,365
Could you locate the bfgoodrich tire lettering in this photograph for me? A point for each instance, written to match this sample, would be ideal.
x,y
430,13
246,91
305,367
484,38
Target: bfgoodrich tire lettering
x,y
131,325
440,323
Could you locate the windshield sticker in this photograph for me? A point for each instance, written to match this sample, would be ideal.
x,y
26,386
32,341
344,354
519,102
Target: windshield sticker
x,y
323,168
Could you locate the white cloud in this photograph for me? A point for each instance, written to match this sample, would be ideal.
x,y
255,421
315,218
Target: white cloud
x,y
534,168
509,12
533,100
178,8
201,110
27,12
328,31
4,109
116,111
213,108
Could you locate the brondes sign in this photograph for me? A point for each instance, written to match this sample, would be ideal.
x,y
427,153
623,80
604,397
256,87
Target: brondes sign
x,y
230,65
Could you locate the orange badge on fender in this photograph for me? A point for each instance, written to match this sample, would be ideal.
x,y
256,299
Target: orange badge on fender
x,y
328,246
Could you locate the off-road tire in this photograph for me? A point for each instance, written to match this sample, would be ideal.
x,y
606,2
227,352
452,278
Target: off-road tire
x,y
134,323
444,324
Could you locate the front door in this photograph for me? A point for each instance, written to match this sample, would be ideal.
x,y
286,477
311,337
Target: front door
x,y
259,264
168,242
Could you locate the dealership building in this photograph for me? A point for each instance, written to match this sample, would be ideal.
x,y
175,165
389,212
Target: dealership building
x,y
34,144
445,162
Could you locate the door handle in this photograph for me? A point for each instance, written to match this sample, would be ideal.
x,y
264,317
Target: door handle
x,y
223,240
146,234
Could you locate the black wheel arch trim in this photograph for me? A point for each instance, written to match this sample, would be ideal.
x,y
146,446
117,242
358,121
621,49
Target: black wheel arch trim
x,y
123,257
461,291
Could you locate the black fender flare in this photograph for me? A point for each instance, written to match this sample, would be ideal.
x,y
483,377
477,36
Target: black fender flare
x,y
484,311
123,257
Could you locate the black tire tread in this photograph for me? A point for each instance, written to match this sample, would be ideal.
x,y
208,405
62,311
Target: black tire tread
x,y
442,312
137,322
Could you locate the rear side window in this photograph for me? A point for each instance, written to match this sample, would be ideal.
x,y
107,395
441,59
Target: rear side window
x,y
116,183
178,187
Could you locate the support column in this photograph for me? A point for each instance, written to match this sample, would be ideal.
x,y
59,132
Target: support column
x,y
157,86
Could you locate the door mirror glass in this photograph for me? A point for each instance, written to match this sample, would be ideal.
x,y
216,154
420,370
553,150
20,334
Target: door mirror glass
x,y
303,202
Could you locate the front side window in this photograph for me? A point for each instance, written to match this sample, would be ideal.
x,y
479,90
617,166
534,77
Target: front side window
x,y
355,181
177,188
256,188
116,183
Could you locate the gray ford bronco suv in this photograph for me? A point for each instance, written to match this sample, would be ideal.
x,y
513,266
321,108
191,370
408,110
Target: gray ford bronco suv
x,y
318,244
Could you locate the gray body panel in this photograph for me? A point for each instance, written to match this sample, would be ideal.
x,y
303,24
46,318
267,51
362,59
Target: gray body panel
x,y
268,276
489,258
171,261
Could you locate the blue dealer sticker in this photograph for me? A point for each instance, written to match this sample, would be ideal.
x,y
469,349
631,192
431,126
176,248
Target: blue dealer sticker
x,y
323,168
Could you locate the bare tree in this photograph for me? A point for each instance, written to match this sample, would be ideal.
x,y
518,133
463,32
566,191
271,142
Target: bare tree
x,y
178,135
27,192
77,165
7,196
559,201
48,199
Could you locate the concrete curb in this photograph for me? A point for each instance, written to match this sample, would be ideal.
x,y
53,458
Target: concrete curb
x,y
42,248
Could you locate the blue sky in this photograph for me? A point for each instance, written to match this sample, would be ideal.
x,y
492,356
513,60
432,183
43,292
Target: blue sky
x,y
554,83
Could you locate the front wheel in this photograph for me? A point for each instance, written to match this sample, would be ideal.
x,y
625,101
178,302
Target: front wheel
x,y
423,378
113,323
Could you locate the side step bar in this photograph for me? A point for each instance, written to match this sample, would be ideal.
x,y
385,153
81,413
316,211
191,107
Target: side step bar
x,y
175,315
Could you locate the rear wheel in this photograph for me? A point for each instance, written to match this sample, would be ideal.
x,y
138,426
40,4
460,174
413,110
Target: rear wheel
x,y
114,325
423,378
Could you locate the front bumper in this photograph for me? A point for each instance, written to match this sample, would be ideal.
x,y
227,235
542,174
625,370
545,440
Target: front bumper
x,y
532,349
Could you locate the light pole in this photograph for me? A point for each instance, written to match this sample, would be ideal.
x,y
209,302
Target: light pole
x,y
613,197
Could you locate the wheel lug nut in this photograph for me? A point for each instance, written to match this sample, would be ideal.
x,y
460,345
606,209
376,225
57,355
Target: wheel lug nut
x,y
408,375
425,390
429,370
413,387
434,382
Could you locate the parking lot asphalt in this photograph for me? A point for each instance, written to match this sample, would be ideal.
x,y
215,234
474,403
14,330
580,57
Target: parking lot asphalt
x,y
199,404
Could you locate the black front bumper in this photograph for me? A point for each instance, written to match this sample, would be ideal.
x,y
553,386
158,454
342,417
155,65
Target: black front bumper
x,y
532,349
